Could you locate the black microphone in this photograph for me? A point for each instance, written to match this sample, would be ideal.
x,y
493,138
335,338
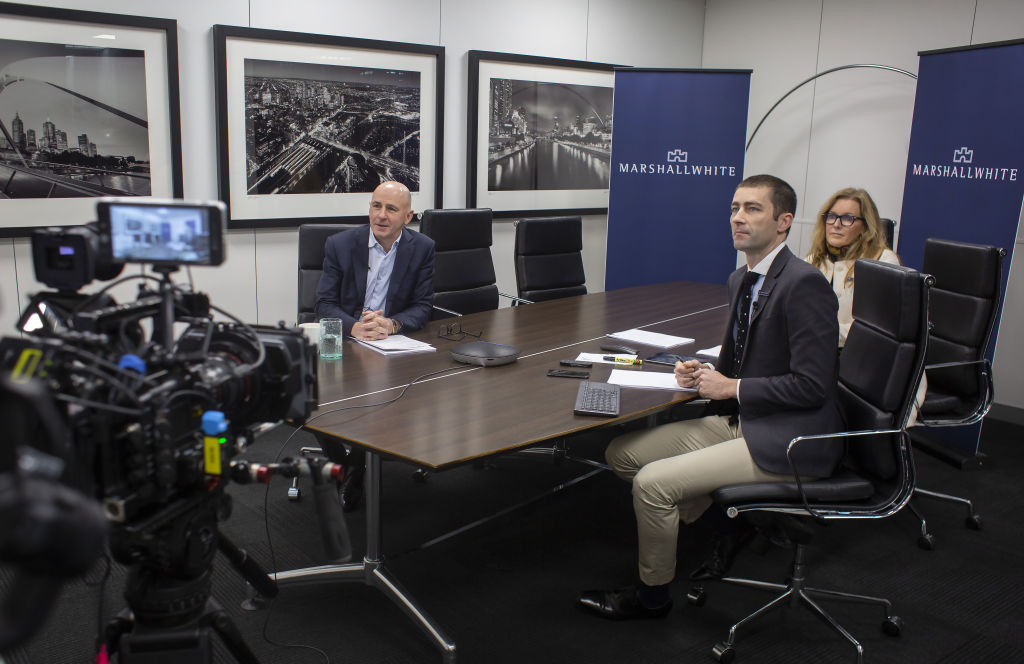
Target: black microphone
x,y
333,526
26,606
51,532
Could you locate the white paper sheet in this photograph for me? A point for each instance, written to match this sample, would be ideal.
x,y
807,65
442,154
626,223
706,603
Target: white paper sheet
x,y
651,338
397,344
652,380
712,352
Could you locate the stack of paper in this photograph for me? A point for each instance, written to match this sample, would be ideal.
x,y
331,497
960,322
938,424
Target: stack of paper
x,y
397,344
650,338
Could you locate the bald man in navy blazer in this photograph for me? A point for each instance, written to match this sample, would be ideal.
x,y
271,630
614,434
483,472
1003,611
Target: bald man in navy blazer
x,y
381,284
773,383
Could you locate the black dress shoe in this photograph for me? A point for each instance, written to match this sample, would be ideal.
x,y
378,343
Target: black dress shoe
x,y
622,604
352,488
723,551
351,496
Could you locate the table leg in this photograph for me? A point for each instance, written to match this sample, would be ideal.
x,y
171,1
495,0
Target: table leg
x,y
371,570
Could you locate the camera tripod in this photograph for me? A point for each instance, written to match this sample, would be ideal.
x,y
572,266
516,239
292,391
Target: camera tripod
x,y
170,614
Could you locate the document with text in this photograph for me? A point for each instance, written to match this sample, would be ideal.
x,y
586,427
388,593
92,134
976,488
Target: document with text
x,y
397,344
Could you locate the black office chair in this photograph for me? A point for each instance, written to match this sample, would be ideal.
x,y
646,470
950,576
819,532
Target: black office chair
x,y
962,313
549,258
312,238
889,227
880,368
464,280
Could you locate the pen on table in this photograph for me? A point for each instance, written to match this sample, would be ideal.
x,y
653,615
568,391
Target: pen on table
x,y
622,360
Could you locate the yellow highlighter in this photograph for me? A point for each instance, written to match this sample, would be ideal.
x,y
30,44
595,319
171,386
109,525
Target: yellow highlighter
x,y
622,360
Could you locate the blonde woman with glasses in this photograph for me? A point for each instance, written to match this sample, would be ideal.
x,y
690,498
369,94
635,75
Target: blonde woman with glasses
x,y
848,228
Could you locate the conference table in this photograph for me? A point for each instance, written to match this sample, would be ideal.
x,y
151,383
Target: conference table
x,y
454,413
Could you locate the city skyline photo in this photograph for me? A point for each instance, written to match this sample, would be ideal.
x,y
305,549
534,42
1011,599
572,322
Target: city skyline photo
x,y
548,136
312,128
74,120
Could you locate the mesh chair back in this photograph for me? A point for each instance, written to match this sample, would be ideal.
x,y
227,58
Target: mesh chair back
x,y
312,238
882,361
549,258
464,279
962,311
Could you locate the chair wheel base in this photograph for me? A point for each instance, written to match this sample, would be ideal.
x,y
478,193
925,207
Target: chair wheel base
x,y
973,522
926,542
696,596
294,493
892,625
723,652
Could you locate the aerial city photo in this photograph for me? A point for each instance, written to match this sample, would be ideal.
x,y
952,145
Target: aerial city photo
x,y
548,136
313,128
73,121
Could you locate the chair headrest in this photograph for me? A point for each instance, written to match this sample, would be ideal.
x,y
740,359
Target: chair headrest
x,y
312,238
962,267
889,228
457,228
887,297
549,235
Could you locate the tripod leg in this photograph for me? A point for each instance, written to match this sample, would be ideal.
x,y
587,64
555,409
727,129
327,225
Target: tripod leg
x,y
221,623
118,625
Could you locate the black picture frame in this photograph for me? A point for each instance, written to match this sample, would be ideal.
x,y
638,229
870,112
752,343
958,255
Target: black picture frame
x,y
551,73
295,55
32,33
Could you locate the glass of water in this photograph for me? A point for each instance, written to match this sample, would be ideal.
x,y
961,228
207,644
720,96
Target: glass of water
x,y
331,338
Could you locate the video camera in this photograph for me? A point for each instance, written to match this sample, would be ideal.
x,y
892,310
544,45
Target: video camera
x,y
154,418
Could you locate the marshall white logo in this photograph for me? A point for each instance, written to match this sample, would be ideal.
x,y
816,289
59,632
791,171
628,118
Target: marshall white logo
x,y
676,163
963,168
963,156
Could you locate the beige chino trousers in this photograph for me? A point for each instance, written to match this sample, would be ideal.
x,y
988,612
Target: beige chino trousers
x,y
674,468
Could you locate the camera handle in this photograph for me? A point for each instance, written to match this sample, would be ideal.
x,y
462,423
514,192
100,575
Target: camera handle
x,y
164,329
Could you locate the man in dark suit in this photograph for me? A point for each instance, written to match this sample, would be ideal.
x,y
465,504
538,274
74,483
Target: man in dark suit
x,y
775,380
379,279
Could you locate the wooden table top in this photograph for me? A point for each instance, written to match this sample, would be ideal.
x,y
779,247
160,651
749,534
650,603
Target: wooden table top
x,y
472,412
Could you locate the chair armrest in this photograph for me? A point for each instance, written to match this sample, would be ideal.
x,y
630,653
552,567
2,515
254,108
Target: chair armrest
x,y
822,436
959,363
447,311
985,398
515,300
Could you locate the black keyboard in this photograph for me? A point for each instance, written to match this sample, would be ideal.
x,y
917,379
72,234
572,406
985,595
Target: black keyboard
x,y
597,399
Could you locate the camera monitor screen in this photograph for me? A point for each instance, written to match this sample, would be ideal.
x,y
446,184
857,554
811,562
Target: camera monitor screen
x,y
162,232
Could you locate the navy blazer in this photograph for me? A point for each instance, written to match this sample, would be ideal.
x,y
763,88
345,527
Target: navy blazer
x,y
788,376
342,288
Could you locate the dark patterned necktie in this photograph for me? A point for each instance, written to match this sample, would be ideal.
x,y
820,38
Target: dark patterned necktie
x,y
743,320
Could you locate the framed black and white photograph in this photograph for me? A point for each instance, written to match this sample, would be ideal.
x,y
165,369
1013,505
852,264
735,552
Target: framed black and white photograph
x,y
539,136
88,108
309,125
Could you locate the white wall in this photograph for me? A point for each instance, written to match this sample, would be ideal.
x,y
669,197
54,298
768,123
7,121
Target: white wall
x,y
850,127
258,280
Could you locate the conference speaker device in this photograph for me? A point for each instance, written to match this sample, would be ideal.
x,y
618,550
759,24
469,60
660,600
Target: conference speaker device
x,y
485,353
